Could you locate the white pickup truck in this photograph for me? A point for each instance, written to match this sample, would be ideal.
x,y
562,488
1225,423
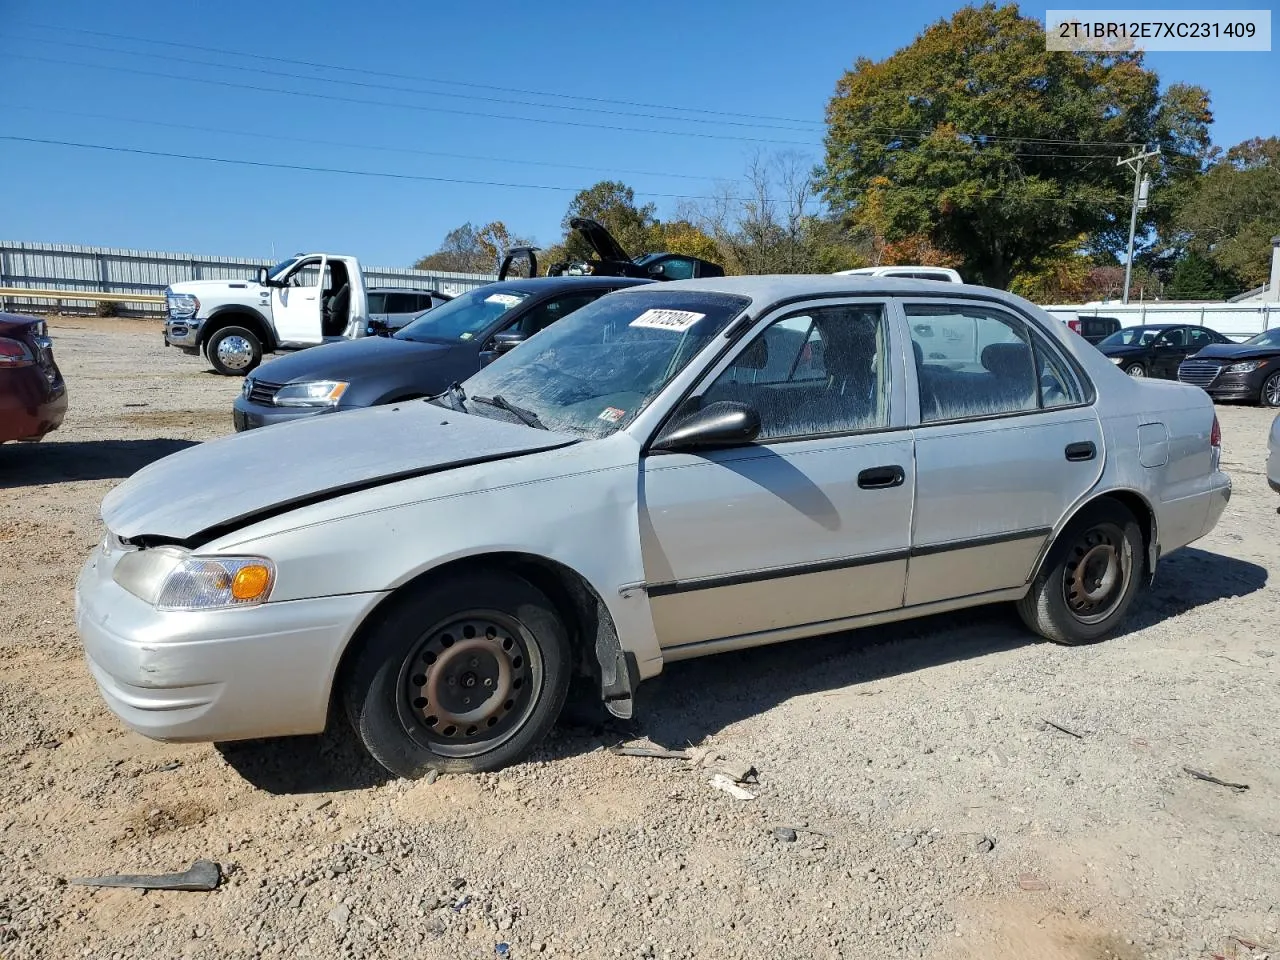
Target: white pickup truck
x,y
306,300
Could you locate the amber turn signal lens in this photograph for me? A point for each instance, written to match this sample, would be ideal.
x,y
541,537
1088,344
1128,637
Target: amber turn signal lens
x,y
250,582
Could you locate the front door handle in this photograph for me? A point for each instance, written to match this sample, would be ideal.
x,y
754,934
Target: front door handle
x,y
877,478
1084,450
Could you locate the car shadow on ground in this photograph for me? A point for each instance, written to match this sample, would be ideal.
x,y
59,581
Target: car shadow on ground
x,y
29,465
692,700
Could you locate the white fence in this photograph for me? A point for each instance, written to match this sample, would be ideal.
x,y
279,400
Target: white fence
x,y
55,266
1239,321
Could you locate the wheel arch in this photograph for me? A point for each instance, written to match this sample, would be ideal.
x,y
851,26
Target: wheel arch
x,y
238,316
1135,502
597,651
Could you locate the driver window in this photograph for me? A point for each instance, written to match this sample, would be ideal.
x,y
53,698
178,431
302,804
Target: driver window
x,y
819,372
307,275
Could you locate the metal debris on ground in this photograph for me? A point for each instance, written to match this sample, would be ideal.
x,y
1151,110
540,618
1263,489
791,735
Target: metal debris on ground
x,y
1030,882
1210,778
502,949
1067,730
658,752
721,782
461,902
202,875
785,834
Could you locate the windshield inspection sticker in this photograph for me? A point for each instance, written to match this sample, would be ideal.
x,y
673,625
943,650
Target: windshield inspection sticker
x,y
612,414
506,299
676,320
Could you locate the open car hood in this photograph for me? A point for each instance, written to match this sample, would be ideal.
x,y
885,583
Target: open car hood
x,y
206,490
601,240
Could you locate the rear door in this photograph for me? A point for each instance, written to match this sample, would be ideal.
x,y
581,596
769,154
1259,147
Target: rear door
x,y
1007,440
810,523
296,306
1168,351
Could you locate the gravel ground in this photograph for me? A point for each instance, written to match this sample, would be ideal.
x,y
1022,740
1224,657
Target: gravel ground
x,y
932,811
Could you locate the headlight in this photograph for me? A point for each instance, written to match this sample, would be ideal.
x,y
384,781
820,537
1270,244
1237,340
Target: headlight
x,y
316,393
1117,360
1247,367
171,579
246,388
182,306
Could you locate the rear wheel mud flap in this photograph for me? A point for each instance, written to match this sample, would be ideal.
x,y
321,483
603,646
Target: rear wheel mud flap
x,y
618,681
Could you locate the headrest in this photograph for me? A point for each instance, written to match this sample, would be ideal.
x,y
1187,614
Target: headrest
x,y
1009,360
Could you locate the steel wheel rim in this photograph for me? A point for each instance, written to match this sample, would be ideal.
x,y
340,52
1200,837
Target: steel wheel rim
x,y
235,352
1136,371
1097,573
1271,391
471,683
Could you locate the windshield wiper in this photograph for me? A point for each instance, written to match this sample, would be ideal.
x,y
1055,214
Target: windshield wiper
x,y
527,417
457,396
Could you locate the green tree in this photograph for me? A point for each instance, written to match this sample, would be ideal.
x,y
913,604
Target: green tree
x,y
1233,212
1197,278
471,249
995,149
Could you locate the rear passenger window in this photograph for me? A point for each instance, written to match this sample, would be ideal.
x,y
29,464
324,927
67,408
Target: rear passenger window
x,y
971,362
1058,387
377,303
401,303
820,372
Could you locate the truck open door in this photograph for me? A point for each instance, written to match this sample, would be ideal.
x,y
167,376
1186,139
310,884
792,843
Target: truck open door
x,y
296,302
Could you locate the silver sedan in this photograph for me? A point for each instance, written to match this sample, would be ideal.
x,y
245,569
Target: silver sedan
x,y
677,470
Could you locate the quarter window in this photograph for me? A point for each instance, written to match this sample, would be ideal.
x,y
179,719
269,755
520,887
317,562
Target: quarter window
x,y
818,372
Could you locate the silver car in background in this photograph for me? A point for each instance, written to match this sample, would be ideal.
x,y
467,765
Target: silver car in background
x,y
672,471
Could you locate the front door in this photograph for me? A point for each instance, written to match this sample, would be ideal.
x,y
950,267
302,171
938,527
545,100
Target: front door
x,y
1170,349
811,522
296,306
1005,445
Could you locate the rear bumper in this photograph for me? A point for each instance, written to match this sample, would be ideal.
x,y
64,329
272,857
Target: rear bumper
x,y
30,406
221,675
1189,518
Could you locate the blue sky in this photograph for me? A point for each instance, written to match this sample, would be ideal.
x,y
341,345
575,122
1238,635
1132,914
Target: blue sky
x,y
746,57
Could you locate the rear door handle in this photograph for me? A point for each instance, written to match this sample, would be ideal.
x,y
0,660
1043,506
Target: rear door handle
x,y
1084,450
877,478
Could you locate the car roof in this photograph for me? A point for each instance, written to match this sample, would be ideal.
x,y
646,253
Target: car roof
x,y
543,284
770,288
401,290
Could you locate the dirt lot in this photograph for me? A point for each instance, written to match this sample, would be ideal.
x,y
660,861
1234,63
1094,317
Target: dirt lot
x,y
937,815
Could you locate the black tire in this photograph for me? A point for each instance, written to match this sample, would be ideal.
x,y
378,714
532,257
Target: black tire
x,y
1061,604
1269,395
409,689
242,349
1136,370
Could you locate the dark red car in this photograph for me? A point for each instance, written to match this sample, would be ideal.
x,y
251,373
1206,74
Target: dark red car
x,y
33,397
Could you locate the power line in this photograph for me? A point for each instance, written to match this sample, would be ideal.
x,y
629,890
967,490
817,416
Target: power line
x,y
403,106
419,78
187,60
390,175
223,131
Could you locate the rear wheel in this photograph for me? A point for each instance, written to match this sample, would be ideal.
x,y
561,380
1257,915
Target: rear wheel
x,y
234,351
1136,370
1269,395
1089,579
467,675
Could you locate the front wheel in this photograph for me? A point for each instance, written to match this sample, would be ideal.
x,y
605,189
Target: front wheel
x,y
1089,579
1136,370
465,676
1269,395
234,351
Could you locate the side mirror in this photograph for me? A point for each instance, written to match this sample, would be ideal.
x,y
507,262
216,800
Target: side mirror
x,y
262,276
657,269
501,343
725,423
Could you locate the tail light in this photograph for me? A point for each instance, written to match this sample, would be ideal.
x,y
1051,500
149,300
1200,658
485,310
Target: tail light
x,y
1215,442
14,353
1074,324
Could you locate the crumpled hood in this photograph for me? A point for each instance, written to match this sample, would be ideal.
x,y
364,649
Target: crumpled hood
x,y
216,486
349,359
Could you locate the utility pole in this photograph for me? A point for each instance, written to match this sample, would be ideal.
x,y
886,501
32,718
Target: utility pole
x,y
1139,197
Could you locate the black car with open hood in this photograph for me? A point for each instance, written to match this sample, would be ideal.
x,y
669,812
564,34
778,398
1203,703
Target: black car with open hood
x,y
1238,371
613,260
